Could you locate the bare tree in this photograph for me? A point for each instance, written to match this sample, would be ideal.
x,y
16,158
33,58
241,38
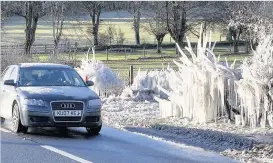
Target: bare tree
x,y
241,19
157,26
57,15
210,14
111,31
31,11
136,20
94,9
178,14
120,37
135,8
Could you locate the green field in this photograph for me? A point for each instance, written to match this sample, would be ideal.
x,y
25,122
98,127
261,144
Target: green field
x,y
76,31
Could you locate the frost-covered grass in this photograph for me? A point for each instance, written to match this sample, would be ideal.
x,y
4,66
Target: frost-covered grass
x,y
144,117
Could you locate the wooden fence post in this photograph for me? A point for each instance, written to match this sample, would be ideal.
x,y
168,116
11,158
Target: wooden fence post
x,y
45,48
230,48
75,53
74,57
131,74
107,54
144,51
125,55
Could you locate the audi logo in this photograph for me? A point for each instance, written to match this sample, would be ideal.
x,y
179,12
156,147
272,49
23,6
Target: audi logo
x,y
67,106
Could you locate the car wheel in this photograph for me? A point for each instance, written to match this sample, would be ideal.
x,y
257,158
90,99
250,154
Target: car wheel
x,y
93,130
16,122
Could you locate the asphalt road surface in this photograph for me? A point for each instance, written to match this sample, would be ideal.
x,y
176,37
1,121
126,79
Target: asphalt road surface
x,y
46,145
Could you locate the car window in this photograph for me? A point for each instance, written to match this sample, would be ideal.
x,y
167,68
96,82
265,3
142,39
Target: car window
x,y
7,73
14,74
46,76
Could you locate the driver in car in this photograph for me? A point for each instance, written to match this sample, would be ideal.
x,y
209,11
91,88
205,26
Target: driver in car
x,y
27,78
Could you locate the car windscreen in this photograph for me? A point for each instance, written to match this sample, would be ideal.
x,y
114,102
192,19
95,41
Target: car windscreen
x,y
45,76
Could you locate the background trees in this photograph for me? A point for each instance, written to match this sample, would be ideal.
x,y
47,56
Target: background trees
x,y
243,20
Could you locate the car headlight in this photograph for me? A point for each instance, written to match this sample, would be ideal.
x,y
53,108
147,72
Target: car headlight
x,y
34,102
94,103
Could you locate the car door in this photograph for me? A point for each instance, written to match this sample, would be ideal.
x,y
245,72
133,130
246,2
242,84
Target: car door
x,y
7,93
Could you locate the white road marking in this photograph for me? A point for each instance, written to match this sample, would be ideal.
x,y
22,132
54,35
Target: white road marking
x,y
63,153
4,130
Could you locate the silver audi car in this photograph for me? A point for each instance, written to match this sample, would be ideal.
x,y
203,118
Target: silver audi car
x,y
48,95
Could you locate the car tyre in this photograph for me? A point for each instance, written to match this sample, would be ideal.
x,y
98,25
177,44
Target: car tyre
x,y
93,130
16,121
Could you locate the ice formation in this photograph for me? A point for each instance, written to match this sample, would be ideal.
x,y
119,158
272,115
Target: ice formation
x,y
202,84
205,89
256,88
106,81
145,84
149,80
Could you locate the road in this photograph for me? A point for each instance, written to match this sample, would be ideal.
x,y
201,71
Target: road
x,y
46,145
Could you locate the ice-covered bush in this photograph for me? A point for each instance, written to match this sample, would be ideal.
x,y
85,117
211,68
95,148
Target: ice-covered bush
x,y
205,89
150,79
106,81
202,86
145,84
256,88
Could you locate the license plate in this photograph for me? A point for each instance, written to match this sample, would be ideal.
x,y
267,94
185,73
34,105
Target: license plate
x,y
68,113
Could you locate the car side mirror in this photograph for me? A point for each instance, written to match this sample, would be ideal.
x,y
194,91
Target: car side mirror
x,y
89,83
9,82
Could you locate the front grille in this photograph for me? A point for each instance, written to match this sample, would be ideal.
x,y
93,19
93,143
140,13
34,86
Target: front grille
x,y
57,105
68,119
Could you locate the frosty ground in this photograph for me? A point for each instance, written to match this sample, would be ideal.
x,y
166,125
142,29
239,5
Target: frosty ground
x,y
242,143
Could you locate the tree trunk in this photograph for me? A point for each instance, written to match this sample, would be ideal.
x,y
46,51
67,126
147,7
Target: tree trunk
x,y
159,39
95,34
95,23
247,43
176,23
31,19
55,49
235,42
236,45
229,36
57,19
137,23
